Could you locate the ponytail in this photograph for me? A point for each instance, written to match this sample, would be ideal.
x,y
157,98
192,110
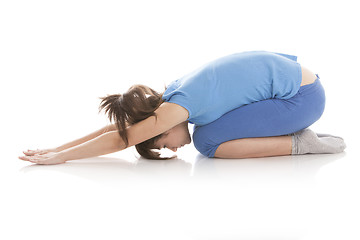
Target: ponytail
x,y
137,104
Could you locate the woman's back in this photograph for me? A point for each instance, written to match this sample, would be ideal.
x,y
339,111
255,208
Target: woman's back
x,y
232,81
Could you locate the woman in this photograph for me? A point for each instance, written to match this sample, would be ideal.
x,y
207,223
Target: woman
x,y
244,105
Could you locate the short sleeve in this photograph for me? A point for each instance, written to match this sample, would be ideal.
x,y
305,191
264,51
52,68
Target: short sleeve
x,y
182,101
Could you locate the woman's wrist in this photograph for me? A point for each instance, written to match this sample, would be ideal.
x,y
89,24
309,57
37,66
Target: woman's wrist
x,y
62,156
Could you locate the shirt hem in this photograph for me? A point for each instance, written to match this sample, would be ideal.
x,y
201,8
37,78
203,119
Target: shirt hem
x,y
299,76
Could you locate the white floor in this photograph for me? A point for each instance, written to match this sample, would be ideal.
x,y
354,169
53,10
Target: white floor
x,y
121,196
56,60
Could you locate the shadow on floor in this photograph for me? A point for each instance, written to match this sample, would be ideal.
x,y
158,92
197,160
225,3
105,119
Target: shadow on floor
x,y
106,169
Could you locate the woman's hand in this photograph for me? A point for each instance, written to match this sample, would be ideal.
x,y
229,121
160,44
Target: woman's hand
x,y
39,151
44,158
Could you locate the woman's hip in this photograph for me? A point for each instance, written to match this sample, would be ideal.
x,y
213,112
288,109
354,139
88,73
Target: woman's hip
x,y
309,100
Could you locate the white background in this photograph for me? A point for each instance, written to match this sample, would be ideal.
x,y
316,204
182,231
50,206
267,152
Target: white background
x,y
58,57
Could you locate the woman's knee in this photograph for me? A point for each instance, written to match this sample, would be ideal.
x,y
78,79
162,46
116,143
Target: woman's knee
x,y
203,142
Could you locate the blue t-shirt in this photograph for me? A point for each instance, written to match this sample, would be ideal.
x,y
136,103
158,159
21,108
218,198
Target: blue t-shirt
x,y
232,81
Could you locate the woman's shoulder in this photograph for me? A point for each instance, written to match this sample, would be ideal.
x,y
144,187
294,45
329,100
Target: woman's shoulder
x,y
173,110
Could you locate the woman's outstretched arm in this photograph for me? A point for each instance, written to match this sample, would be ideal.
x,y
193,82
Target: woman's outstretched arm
x,y
106,143
168,116
108,128
86,138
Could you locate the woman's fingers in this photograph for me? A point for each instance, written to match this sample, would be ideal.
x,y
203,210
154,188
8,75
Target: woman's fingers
x,y
27,153
27,158
33,152
30,152
34,159
23,158
48,158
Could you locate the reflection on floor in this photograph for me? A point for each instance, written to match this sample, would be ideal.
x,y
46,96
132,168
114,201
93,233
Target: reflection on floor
x,y
122,195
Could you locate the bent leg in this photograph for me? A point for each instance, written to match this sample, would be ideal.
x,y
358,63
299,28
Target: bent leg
x,y
255,147
267,118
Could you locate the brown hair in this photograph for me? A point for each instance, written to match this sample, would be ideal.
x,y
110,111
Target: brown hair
x,y
132,107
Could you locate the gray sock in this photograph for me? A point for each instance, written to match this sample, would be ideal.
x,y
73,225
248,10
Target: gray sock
x,y
321,135
306,141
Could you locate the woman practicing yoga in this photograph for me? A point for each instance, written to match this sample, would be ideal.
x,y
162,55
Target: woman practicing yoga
x,y
243,105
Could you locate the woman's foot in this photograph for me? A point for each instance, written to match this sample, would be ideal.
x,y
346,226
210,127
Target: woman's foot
x,y
306,141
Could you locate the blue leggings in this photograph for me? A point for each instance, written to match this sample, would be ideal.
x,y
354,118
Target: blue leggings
x,y
270,117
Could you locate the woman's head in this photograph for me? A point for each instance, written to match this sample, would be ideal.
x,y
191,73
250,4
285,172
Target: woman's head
x,y
174,138
137,104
